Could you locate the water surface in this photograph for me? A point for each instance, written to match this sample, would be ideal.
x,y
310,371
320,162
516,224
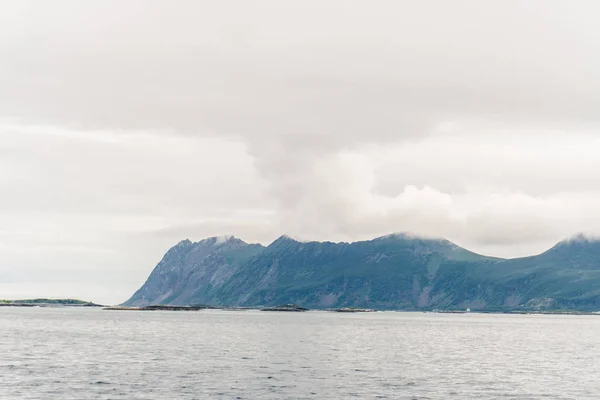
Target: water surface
x,y
71,353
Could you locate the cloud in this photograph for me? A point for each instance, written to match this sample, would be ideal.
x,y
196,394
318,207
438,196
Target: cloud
x,y
129,126
341,200
80,204
255,70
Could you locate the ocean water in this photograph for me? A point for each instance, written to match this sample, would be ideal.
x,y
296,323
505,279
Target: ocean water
x,y
71,353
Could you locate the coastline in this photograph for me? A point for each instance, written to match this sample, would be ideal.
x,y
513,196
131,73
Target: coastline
x,y
60,303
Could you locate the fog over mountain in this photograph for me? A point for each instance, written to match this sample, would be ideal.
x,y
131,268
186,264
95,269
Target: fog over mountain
x,y
127,126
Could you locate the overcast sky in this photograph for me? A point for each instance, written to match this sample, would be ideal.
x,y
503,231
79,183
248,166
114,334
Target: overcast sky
x,y
127,126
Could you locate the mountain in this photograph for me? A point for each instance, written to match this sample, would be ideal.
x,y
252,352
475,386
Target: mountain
x,y
391,272
189,272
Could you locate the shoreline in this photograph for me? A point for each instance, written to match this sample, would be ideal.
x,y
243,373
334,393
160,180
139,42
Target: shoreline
x,y
61,303
352,311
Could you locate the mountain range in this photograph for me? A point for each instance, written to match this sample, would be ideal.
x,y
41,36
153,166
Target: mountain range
x,y
397,271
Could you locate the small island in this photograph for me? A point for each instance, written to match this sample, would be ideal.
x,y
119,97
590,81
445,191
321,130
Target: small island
x,y
48,303
286,307
159,307
352,310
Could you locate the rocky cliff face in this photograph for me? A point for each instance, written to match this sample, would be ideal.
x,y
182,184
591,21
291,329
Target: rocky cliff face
x,y
189,271
391,272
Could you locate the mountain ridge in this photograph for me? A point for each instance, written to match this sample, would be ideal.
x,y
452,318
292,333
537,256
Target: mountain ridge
x,y
396,271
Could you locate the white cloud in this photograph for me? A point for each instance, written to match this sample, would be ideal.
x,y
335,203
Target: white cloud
x,y
340,200
126,127
82,204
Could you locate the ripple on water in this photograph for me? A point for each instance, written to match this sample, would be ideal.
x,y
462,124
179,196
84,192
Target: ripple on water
x,y
95,354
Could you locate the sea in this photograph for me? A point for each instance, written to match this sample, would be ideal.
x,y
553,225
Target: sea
x,y
84,353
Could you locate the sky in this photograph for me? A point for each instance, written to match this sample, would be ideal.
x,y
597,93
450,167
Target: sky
x,y
127,126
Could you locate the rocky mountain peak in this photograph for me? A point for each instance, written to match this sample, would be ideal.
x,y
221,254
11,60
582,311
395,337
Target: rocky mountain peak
x,y
225,240
284,240
578,242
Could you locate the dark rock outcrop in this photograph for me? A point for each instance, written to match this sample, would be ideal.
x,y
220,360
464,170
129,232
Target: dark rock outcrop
x,y
286,307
